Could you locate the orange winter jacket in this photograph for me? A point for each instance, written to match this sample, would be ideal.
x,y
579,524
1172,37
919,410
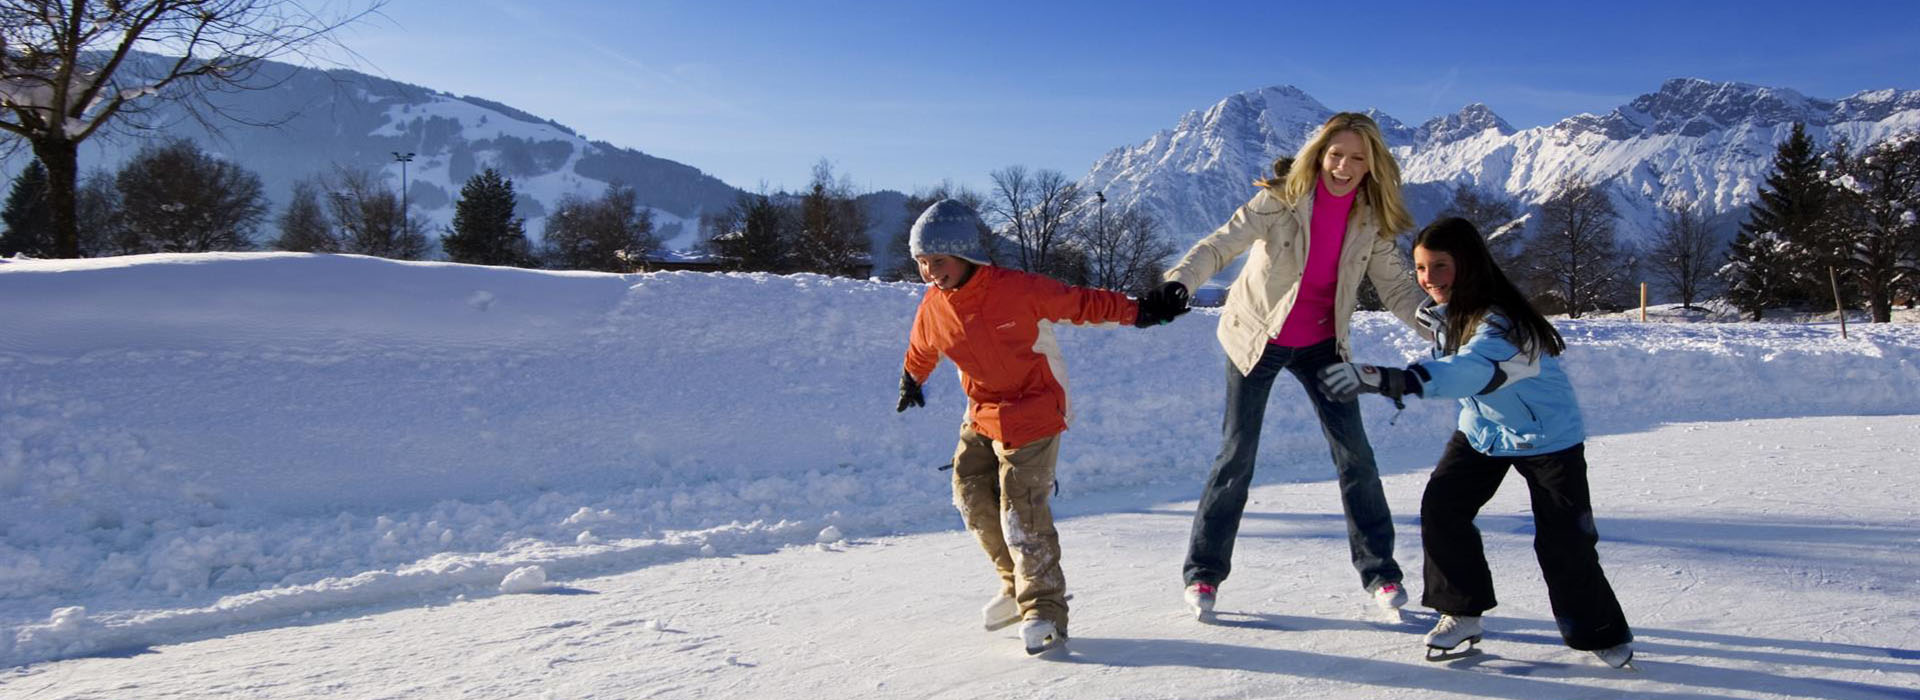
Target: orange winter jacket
x,y
998,329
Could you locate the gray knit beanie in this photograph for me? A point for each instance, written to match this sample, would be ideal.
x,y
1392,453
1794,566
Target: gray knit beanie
x,y
948,228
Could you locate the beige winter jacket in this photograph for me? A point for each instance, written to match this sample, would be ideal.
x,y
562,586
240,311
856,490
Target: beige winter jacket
x,y
1274,236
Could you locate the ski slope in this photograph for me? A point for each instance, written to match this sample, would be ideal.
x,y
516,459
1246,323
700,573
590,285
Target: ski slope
x,y
285,475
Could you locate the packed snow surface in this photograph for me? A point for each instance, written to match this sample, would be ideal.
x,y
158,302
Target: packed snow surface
x,y
214,466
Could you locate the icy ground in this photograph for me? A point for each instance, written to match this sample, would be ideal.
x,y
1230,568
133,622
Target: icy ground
x,y
289,476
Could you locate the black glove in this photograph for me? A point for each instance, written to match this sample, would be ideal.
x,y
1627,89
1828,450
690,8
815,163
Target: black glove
x,y
1161,305
1345,381
909,392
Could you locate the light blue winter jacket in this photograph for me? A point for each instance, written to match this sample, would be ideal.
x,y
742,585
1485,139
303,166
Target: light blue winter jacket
x,y
1511,405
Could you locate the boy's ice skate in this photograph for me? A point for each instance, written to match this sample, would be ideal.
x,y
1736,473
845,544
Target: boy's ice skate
x,y
1390,597
1200,597
1450,633
1617,656
1041,637
1000,612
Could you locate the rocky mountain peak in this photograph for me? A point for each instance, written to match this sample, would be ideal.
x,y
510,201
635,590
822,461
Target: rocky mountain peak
x,y
1469,121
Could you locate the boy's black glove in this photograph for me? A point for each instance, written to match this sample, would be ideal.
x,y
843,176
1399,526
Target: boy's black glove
x,y
1161,305
1345,381
909,392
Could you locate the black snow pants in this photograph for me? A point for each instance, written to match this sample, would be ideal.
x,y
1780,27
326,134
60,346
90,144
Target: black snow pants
x,y
1457,579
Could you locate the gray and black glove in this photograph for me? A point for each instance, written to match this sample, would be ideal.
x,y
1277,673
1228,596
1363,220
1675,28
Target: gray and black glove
x,y
1161,305
909,392
1346,381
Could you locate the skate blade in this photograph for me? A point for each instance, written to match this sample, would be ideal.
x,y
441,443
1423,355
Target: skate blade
x,y
1439,654
1054,644
1624,665
1049,649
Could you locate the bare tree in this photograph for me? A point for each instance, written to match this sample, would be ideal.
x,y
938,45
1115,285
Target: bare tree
x,y
1125,251
1034,209
1495,217
1575,256
612,233
1683,257
370,219
68,68
176,198
900,264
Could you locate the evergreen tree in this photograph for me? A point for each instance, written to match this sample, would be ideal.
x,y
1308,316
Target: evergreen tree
x,y
1875,207
485,231
97,210
831,238
609,234
304,227
751,236
1793,206
28,218
1755,273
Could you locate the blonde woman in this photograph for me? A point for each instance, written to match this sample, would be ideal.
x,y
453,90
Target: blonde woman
x,y
1309,238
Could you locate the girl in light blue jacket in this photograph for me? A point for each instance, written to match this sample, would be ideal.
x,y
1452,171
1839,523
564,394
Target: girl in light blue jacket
x,y
1500,358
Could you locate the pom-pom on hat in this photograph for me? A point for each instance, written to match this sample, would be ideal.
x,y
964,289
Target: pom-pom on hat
x,y
948,228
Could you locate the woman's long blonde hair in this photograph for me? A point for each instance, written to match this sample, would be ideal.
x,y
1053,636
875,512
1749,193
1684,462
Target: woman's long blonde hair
x,y
1380,191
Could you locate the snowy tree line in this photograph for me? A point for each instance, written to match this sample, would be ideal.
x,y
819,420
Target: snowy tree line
x,y
1033,220
1842,220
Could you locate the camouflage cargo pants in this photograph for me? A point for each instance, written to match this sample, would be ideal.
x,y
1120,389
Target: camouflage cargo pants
x,y
1002,495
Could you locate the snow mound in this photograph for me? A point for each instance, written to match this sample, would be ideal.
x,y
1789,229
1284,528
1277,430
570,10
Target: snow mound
x,y
526,579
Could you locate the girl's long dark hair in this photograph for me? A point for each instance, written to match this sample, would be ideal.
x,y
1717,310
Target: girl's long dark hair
x,y
1479,286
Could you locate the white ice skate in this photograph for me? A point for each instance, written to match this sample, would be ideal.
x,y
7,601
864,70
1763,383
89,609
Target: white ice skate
x,y
1390,597
1000,612
1041,637
1200,597
1450,633
1617,656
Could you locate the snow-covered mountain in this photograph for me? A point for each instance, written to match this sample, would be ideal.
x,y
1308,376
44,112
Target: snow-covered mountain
x,y
324,119
1697,142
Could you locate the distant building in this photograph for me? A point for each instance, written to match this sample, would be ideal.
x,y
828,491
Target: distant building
x,y
674,260
690,261
1209,295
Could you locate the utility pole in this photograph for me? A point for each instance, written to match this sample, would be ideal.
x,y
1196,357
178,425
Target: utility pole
x,y
404,159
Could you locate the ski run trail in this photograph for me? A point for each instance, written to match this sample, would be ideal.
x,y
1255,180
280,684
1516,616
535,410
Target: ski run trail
x,y
291,476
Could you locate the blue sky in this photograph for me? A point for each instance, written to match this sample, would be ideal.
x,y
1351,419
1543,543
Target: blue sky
x,y
904,94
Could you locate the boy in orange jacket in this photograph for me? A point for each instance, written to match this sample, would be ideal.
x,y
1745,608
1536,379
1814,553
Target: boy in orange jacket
x,y
996,326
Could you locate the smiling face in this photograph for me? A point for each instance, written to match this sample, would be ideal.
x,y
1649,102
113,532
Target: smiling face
x,y
1436,273
1344,164
944,271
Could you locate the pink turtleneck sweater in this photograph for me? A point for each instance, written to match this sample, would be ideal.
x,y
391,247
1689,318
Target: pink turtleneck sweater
x,y
1311,319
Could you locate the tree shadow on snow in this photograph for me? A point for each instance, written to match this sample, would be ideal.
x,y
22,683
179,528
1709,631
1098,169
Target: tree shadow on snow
x,y
1416,675
1412,622
1653,645
1481,674
562,590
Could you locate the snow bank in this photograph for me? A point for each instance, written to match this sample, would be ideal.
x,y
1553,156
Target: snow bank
x,y
196,441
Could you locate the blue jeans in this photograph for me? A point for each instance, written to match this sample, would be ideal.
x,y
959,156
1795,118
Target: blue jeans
x,y
1217,522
